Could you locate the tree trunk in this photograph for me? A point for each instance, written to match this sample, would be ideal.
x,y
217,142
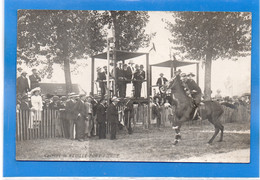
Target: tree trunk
x,y
67,75
207,90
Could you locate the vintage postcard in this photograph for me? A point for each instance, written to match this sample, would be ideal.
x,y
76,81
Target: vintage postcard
x,y
150,86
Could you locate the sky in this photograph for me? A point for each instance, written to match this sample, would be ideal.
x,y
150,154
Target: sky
x,y
231,77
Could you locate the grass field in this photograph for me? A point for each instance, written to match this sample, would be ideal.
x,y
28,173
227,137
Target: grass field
x,y
146,145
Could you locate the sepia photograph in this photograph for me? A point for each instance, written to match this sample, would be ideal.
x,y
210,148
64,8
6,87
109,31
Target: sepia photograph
x,y
142,86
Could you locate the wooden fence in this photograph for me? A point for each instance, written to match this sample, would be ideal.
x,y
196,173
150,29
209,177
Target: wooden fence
x,y
47,127
50,124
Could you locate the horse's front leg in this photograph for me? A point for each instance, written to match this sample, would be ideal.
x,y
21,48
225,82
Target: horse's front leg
x,y
177,127
177,136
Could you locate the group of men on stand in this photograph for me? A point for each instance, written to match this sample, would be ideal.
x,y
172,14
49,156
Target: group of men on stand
x,y
123,75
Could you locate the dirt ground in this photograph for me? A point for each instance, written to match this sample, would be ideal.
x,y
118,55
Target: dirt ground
x,y
146,145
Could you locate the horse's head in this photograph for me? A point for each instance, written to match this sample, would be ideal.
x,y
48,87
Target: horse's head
x,y
174,81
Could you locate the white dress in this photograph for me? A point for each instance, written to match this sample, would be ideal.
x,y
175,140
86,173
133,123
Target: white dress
x,y
36,112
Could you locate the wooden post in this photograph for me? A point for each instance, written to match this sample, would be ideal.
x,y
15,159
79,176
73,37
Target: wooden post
x,y
148,87
197,71
172,69
92,75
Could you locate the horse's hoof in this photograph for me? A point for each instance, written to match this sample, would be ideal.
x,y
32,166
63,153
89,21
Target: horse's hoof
x,y
175,142
175,127
220,140
209,143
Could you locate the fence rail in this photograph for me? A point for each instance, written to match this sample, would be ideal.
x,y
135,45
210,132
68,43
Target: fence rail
x,y
46,126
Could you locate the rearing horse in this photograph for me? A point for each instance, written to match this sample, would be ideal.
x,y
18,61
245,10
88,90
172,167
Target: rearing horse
x,y
211,110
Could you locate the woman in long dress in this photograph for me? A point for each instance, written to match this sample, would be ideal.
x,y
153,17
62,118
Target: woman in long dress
x,y
36,109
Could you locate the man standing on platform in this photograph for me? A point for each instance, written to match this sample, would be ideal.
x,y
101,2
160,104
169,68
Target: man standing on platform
x,y
101,78
34,79
70,114
80,110
121,83
112,117
101,119
137,82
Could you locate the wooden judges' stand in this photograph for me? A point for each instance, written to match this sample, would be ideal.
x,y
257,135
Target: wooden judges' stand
x,y
121,56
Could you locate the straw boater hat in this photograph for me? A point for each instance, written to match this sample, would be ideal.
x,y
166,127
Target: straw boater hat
x,y
191,74
35,89
183,75
24,72
115,99
71,94
55,98
98,68
131,62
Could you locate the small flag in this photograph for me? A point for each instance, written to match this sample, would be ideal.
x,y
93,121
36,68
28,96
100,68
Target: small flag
x,y
152,48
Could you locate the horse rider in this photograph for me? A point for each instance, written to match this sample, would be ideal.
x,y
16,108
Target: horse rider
x,y
193,90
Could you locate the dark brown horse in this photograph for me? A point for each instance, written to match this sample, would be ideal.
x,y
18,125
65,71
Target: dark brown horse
x,y
211,110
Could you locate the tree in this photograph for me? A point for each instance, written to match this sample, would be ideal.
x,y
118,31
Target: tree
x,y
208,36
60,37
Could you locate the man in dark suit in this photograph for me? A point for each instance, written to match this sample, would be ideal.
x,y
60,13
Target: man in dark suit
x,y
137,82
34,79
70,114
101,77
121,83
161,81
80,111
112,116
101,119
129,115
22,84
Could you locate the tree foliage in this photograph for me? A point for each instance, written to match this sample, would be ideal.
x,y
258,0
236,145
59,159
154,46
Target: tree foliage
x,y
50,36
208,36
129,27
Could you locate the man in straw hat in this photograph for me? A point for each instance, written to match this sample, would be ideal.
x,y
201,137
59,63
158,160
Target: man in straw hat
x,y
70,114
112,116
80,111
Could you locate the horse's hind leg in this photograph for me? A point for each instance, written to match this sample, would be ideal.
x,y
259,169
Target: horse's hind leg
x,y
214,135
221,127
